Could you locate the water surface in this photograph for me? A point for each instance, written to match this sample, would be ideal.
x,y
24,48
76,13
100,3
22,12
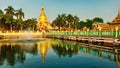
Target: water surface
x,y
53,53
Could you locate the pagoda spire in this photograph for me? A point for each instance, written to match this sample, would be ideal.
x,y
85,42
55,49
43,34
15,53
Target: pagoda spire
x,y
119,13
117,18
42,17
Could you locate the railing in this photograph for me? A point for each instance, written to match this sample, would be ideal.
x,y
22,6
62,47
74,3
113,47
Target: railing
x,y
109,33
99,33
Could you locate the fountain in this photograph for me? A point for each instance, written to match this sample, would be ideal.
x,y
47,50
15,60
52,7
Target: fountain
x,y
26,38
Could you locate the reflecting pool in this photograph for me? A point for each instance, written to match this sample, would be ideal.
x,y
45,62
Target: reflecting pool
x,y
50,53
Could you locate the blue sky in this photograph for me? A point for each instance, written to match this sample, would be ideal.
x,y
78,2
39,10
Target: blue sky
x,y
85,9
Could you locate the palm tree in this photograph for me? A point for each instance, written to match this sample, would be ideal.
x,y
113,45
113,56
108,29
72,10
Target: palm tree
x,y
1,14
9,22
29,23
20,14
9,16
20,23
70,20
33,22
1,19
76,21
61,19
54,24
10,11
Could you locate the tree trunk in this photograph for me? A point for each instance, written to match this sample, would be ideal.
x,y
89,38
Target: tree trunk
x,y
69,26
0,50
11,27
33,28
60,27
21,28
75,27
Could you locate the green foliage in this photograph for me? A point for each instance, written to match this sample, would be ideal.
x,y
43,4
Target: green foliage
x,y
109,23
81,24
1,13
97,19
89,23
19,14
10,11
13,20
64,21
60,21
73,22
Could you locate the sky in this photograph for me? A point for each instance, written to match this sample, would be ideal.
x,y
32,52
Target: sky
x,y
84,9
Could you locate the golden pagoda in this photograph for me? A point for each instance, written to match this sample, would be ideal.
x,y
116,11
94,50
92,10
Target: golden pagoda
x,y
43,24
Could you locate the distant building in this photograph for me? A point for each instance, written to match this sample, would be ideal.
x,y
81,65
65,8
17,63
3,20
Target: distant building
x,y
115,24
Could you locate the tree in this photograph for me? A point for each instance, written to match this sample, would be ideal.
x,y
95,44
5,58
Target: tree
x,y
1,19
30,23
109,23
2,23
27,23
9,22
97,19
33,22
60,21
70,20
63,20
20,23
76,20
9,16
10,11
19,14
89,23
54,23
1,13
81,24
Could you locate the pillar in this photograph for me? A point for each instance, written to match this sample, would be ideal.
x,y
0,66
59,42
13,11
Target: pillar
x,y
116,30
99,32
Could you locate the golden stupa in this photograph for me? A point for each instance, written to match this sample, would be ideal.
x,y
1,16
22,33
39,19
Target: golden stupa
x,y
43,24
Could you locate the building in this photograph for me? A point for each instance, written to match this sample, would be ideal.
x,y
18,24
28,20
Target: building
x,y
114,25
43,24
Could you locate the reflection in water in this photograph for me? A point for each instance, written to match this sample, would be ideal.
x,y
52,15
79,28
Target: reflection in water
x,y
13,53
70,48
43,48
62,49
